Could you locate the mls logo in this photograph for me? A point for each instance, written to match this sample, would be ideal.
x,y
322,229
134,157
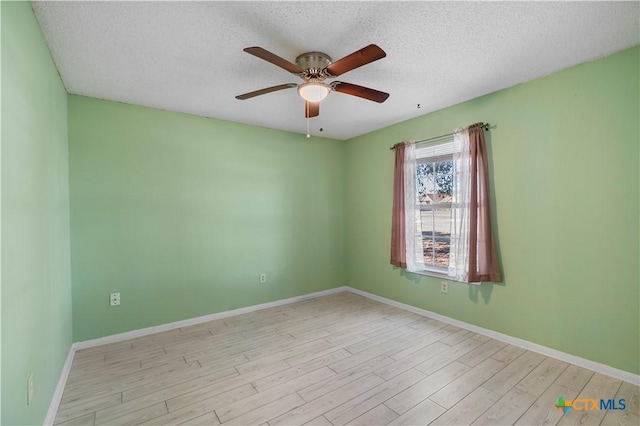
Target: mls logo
x,y
610,404
563,405
585,404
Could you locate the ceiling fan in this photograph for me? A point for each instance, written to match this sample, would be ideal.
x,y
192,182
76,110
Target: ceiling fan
x,y
314,68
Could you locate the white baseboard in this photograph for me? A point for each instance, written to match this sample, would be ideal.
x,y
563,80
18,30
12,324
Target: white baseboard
x,y
185,323
581,362
57,394
553,353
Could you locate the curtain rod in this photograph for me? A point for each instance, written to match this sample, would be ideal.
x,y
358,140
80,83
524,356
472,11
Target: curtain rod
x,y
485,126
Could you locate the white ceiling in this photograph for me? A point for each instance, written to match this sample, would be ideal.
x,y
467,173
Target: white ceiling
x,y
187,56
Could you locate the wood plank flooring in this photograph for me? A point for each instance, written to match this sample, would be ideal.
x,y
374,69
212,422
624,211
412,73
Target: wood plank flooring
x,y
335,360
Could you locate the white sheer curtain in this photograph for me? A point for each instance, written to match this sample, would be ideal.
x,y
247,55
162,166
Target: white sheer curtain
x,y
460,202
413,230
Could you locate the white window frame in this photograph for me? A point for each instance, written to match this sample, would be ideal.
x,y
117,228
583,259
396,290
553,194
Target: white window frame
x,y
438,151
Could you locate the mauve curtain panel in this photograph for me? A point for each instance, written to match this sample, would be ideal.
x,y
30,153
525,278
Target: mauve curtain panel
x,y
483,261
398,237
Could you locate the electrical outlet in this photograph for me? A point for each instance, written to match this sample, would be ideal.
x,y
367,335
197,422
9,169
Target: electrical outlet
x,y
263,278
29,389
114,299
444,286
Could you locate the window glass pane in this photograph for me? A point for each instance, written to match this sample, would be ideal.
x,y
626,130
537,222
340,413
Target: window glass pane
x,y
434,185
442,236
425,182
427,236
436,237
444,180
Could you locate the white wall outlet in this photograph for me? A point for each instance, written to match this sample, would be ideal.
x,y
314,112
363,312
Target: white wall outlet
x,y
114,299
444,286
29,389
263,278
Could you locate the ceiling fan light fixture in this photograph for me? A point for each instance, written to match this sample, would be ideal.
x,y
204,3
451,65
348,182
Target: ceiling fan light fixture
x,y
314,91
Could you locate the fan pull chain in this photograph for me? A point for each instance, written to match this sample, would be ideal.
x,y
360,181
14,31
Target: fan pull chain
x,y
306,104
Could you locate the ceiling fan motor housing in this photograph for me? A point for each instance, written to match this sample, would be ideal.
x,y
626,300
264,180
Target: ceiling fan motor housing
x,y
313,63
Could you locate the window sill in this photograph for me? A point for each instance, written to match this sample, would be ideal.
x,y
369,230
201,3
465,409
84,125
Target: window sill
x,y
431,273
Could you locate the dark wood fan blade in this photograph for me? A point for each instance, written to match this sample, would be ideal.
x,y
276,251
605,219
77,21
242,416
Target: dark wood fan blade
x,y
356,59
311,109
274,59
266,90
359,91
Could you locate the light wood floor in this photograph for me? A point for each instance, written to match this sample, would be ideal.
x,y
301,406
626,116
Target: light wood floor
x,y
334,360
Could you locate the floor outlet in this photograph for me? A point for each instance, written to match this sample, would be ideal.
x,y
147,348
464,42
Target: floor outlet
x,y
114,299
263,278
444,286
29,389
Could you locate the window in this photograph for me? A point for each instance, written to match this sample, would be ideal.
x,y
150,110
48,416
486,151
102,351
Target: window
x,y
434,184
441,218
434,181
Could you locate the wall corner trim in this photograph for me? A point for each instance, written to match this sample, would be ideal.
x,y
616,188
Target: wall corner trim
x,y
57,394
525,344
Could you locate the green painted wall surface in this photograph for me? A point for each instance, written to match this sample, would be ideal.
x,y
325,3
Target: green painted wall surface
x,y
180,214
564,169
36,283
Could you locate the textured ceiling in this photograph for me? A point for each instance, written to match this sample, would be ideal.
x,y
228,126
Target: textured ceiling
x,y
187,56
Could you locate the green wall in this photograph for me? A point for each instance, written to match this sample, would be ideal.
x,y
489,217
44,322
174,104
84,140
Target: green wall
x,y
36,284
180,214
564,161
